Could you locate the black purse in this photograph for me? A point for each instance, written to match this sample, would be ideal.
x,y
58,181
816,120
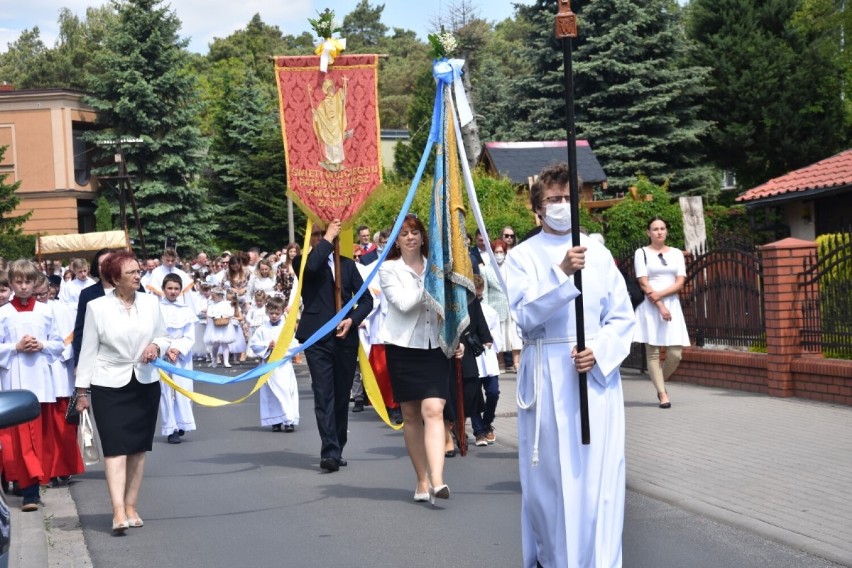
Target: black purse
x,y
71,415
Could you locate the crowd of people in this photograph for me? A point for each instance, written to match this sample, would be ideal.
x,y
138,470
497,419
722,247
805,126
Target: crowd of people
x,y
91,331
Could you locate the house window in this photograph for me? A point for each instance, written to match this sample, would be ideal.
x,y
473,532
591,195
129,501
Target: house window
x,y
82,157
729,180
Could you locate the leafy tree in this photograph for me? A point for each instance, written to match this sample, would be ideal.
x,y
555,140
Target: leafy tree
x,y
22,63
141,88
627,221
635,103
775,95
247,170
103,215
363,27
419,120
409,59
9,201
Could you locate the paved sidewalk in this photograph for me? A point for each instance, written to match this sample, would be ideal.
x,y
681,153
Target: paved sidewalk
x,y
781,468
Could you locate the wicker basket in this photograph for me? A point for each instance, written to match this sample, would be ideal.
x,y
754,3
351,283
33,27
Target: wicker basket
x,y
221,322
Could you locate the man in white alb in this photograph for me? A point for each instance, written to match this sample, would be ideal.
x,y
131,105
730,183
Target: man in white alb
x,y
572,503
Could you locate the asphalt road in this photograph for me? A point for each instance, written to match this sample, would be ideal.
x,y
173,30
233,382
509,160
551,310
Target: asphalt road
x,y
236,494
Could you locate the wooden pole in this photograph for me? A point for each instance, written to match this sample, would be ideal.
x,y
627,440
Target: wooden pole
x,y
566,28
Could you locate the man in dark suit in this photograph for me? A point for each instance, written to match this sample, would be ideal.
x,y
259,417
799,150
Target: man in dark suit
x,y
94,291
331,360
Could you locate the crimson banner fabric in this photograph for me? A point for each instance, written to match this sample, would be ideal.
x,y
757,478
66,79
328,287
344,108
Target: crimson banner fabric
x,y
330,123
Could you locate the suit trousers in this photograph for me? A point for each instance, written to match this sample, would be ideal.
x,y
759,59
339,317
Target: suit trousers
x,y
331,362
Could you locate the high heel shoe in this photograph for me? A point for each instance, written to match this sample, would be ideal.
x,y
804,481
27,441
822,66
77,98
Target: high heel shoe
x,y
119,528
421,497
136,523
440,492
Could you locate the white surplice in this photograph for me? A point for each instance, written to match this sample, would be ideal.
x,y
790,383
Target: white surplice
x,y
30,371
62,368
572,511
279,397
175,408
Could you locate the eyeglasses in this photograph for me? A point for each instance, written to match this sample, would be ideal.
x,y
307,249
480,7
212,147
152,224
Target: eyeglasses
x,y
662,259
132,272
508,235
555,199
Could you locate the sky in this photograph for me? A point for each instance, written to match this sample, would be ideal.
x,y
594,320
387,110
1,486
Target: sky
x,y
204,20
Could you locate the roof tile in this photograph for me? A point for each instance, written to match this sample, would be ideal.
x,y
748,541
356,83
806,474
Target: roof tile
x,y
835,171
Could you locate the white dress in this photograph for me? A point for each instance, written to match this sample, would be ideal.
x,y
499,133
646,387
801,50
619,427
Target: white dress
x,y
572,500
650,326
279,397
175,408
216,333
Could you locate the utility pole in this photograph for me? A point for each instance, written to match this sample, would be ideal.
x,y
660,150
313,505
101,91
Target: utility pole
x,y
124,189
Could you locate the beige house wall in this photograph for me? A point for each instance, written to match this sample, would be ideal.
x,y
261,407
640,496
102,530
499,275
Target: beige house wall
x,y
37,127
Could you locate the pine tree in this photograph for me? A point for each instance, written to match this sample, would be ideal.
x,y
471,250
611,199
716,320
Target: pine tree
x,y
248,175
776,97
10,225
636,103
142,89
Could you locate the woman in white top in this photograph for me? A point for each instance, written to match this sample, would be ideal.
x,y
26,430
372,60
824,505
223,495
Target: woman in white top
x,y
263,281
124,332
660,271
419,371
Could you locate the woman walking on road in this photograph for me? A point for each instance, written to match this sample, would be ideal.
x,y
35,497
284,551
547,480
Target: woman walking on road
x,y
419,371
661,272
123,333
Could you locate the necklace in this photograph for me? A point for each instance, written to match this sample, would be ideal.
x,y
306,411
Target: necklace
x,y
127,305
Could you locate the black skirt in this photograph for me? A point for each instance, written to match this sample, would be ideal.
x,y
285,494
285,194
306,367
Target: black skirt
x,y
126,417
416,374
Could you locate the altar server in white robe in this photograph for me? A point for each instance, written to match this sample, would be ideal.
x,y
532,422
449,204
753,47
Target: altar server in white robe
x,y
69,291
279,397
572,511
175,408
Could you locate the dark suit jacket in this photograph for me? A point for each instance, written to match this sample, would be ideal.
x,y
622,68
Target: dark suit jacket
x,y
370,257
94,291
479,327
318,292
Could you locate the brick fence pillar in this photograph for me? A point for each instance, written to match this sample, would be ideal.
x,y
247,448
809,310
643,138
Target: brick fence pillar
x,y
782,263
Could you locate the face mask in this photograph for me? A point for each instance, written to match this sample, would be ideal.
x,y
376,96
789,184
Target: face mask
x,y
558,216
499,257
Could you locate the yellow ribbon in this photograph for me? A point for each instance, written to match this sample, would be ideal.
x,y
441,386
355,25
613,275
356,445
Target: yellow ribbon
x,y
282,345
328,50
371,387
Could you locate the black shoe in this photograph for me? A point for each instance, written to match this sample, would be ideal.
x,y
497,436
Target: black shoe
x,y
289,428
174,438
329,464
395,415
342,462
276,427
181,432
359,406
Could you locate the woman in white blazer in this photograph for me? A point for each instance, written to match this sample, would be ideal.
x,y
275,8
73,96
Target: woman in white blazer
x,y
419,371
123,333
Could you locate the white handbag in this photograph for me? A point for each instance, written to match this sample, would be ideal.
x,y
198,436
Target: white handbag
x,y
86,439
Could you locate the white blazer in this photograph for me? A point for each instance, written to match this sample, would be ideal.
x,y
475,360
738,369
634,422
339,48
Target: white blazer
x,y
409,321
113,341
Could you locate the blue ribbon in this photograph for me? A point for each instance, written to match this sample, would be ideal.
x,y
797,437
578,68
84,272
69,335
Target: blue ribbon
x,y
258,372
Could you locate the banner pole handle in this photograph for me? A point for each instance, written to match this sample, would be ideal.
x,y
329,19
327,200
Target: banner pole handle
x,y
337,293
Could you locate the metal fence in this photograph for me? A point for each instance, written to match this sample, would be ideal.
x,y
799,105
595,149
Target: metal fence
x,y
825,284
722,297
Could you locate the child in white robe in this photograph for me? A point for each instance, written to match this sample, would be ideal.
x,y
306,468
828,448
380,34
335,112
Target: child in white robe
x,y
220,336
279,397
175,408
238,346
256,314
69,291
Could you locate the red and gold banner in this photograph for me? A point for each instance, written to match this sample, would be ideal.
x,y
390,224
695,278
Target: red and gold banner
x,y
330,123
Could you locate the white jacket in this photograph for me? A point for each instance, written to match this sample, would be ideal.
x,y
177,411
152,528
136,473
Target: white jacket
x,y
409,321
113,341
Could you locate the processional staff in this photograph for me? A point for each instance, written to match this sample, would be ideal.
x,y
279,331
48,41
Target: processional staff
x,y
566,28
